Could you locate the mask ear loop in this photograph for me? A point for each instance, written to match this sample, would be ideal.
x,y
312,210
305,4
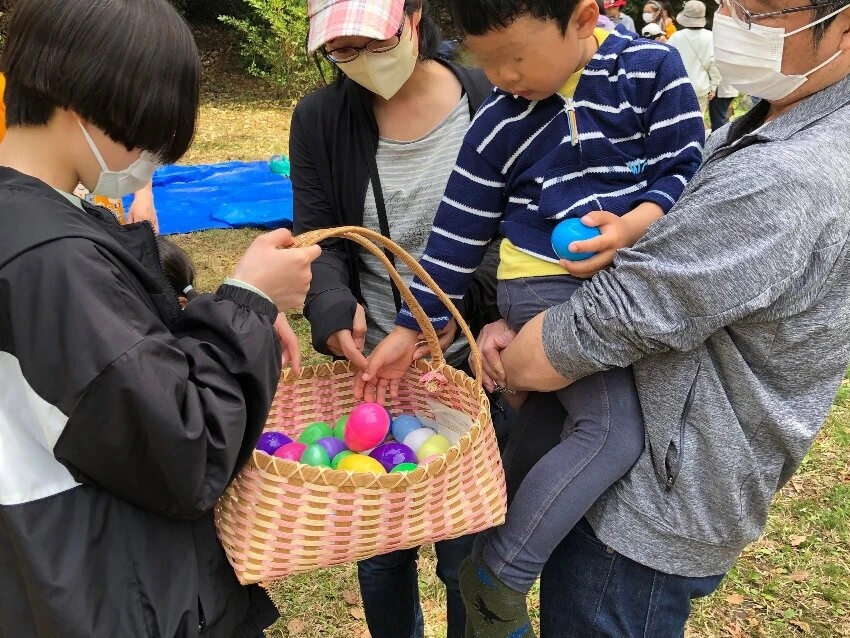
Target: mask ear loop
x,y
94,148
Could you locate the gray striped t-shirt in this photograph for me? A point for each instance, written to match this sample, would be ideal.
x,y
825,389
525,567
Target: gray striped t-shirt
x,y
413,178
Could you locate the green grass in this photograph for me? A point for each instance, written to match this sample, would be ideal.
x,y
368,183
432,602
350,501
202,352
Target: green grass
x,y
794,581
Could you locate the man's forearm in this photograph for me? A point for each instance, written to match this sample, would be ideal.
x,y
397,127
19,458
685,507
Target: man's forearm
x,y
526,365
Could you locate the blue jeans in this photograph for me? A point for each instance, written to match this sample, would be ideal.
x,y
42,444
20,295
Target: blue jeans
x,y
589,591
604,426
718,111
389,585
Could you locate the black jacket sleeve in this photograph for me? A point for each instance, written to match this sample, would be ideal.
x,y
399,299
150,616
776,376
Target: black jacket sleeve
x,y
331,304
162,418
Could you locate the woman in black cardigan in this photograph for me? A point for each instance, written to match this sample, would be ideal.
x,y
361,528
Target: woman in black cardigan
x,y
377,152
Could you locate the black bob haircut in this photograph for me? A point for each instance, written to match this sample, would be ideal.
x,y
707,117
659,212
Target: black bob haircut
x,y
477,17
130,67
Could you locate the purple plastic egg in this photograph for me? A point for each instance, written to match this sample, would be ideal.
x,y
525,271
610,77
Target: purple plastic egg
x,y
270,442
391,454
333,445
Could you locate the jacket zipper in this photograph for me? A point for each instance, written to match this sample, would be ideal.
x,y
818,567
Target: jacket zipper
x,y
175,312
573,121
686,411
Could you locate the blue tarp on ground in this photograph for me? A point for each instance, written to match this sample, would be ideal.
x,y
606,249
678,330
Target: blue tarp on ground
x,y
229,195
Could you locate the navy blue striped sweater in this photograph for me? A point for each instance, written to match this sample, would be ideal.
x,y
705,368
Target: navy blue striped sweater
x,y
640,138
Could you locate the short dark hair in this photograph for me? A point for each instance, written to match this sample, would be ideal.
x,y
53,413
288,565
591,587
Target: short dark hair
x,y
429,32
177,267
131,67
823,9
477,17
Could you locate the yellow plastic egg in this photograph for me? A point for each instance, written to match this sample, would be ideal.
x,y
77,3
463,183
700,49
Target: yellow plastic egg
x,y
433,446
361,463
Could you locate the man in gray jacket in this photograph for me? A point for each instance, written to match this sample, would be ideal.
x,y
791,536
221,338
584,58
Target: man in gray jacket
x,y
734,312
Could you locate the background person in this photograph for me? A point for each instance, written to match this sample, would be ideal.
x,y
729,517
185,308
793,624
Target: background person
x,y
654,32
655,12
694,43
720,107
614,11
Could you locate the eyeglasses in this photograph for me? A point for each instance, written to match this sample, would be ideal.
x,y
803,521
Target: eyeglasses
x,y
745,18
349,54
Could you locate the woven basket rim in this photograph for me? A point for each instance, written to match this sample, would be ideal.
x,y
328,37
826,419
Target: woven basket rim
x,y
287,468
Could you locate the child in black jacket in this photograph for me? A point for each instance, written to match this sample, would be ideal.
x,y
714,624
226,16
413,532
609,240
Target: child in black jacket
x,y
122,419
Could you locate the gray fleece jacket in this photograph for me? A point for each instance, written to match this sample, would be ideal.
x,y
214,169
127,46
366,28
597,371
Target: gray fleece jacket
x,y
734,311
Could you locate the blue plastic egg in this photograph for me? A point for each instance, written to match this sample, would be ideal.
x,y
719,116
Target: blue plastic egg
x,y
404,425
566,233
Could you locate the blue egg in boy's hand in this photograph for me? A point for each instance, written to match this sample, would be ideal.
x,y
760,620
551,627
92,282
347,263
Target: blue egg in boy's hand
x,y
566,233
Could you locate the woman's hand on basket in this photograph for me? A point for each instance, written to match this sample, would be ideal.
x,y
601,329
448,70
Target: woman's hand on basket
x,y
283,275
350,343
289,343
492,339
387,365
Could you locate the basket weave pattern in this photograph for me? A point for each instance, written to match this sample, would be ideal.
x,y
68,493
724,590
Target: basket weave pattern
x,y
280,518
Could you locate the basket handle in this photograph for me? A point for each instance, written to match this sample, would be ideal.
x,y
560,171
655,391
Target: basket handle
x,y
368,238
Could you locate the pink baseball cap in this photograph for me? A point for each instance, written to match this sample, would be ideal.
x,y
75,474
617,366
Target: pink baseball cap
x,y
374,19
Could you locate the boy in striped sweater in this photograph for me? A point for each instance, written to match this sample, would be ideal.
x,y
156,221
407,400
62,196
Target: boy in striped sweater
x,y
584,123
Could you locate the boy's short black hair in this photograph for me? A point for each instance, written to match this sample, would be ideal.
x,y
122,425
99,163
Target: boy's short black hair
x,y
477,17
177,267
130,67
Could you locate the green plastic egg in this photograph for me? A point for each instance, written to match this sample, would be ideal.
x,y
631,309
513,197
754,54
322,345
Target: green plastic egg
x,y
404,467
316,456
314,432
339,427
339,457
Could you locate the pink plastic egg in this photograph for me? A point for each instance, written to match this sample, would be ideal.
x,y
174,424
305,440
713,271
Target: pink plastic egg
x,y
291,451
367,427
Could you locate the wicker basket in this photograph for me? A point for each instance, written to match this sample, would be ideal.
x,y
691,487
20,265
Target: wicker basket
x,y
280,517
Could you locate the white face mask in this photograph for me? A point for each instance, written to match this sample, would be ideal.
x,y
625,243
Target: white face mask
x,y
118,184
384,73
751,61
648,17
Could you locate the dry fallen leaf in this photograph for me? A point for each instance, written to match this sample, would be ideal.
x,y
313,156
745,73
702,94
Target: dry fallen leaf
x,y
735,599
295,627
802,626
350,597
799,577
357,613
796,541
